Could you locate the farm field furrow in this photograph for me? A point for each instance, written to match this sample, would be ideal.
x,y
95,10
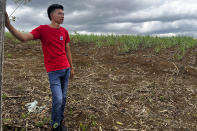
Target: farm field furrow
x,y
117,86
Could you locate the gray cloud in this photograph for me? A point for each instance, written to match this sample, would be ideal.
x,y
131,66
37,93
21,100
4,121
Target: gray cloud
x,y
144,17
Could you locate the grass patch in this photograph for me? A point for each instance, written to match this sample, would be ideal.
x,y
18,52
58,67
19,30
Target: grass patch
x,y
128,43
9,36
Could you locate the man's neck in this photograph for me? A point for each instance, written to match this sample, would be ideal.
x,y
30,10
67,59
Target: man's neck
x,y
54,25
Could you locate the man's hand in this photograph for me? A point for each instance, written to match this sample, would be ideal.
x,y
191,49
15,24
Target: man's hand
x,y
7,20
72,73
19,35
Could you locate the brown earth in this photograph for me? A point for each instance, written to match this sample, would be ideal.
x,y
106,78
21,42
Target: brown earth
x,y
135,91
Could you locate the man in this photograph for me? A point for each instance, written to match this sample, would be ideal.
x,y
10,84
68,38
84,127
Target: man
x,y
57,58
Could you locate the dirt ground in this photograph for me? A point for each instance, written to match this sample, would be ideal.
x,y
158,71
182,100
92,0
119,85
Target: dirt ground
x,y
136,91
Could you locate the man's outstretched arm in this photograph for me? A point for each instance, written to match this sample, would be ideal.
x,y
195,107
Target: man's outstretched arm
x,y
19,35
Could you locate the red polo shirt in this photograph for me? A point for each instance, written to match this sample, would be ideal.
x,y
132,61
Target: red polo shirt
x,y
53,46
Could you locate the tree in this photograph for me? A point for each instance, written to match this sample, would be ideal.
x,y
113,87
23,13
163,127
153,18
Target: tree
x,y
20,3
26,1
2,28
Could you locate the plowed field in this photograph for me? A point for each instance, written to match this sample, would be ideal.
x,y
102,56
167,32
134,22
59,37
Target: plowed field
x,y
134,91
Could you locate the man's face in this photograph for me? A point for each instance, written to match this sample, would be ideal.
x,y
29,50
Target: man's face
x,y
58,16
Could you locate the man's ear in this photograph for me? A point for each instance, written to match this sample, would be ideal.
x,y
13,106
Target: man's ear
x,y
51,14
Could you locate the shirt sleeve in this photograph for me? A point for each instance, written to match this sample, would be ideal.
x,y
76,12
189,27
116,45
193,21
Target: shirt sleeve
x,y
67,37
36,32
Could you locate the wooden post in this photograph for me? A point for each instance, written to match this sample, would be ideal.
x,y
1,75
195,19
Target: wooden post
x,y
2,29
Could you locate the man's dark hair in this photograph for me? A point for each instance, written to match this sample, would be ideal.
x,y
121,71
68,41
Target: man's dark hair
x,y
52,7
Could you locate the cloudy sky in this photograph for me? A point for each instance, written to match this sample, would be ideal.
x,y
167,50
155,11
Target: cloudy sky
x,y
136,17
